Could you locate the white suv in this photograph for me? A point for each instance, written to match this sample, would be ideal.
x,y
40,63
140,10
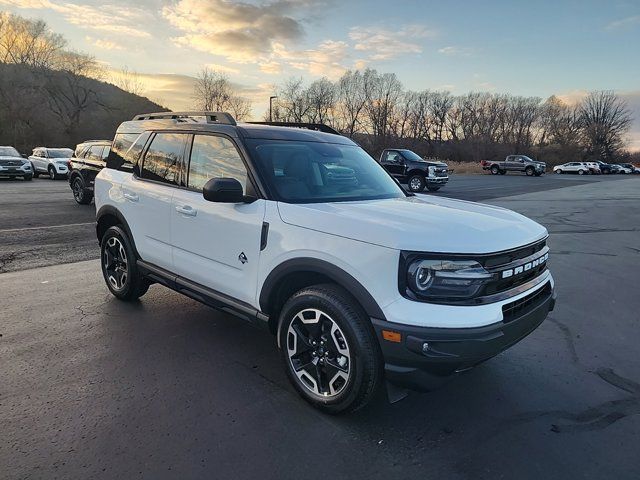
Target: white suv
x,y
359,280
51,161
580,168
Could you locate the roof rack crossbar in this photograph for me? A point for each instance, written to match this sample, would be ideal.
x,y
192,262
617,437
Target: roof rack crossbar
x,y
320,127
212,117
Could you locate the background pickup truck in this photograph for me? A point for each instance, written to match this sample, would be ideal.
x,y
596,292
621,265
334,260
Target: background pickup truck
x,y
408,167
515,163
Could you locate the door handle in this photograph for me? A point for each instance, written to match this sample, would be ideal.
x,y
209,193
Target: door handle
x,y
187,210
131,196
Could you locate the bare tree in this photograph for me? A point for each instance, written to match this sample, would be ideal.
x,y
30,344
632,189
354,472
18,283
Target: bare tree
x,y
129,81
351,101
321,96
28,42
293,101
605,120
213,92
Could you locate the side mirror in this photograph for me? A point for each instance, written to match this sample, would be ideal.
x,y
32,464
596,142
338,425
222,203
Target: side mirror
x,y
223,190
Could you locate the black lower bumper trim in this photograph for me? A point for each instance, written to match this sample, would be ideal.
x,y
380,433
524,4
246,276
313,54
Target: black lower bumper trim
x,y
426,356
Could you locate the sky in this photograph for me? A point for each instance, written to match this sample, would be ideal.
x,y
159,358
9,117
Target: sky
x,y
533,48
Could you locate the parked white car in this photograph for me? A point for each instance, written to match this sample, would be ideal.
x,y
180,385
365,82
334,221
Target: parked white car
x,y
581,168
12,164
358,280
51,161
594,168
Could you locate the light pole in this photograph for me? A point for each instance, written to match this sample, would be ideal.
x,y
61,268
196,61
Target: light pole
x,y
271,106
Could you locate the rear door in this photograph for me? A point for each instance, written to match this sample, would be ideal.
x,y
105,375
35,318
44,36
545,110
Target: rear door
x,y
216,244
148,194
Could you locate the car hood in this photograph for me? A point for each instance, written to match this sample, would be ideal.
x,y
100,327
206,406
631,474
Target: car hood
x,y
429,224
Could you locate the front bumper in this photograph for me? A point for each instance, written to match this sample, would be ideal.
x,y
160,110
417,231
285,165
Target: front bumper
x,y
437,180
412,364
23,171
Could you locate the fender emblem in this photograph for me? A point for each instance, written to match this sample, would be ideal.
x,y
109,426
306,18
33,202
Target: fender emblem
x,y
243,258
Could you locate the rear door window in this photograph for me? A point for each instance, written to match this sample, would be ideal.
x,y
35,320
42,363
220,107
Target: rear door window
x,y
125,151
163,159
95,153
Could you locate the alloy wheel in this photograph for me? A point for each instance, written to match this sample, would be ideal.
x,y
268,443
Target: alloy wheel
x,y
415,183
78,191
318,353
114,259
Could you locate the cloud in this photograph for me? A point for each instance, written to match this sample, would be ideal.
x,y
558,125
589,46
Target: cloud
x,y
104,44
382,44
453,50
113,19
326,60
238,31
628,22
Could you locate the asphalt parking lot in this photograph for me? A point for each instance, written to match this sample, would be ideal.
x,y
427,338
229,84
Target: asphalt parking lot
x,y
168,388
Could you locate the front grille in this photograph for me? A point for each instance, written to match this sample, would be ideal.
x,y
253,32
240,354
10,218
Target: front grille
x,y
441,172
10,163
526,304
497,264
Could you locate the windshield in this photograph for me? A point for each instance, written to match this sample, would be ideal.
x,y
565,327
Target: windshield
x,y
9,152
409,155
59,152
312,172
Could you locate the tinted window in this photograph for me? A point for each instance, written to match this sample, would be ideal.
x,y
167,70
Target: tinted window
x,y
162,160
60,152
125,150
214,157
105,153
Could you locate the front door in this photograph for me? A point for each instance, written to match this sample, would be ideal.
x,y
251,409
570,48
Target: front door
x,y
393,162
216,244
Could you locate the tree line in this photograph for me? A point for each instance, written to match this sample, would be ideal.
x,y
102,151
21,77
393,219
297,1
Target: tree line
x,y
375,109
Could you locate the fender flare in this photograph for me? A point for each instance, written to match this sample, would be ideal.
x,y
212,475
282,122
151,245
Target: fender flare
x,y
336,274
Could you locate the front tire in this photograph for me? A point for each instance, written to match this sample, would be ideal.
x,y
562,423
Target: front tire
x,y
495,170
330,351
36,174
416,183
580,172
52,173
558,172
529,171
119,267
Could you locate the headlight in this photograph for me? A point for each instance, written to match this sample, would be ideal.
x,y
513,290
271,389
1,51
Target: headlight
x,y
439,279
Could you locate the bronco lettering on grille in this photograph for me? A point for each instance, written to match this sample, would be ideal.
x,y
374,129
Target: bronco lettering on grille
x,y
525,267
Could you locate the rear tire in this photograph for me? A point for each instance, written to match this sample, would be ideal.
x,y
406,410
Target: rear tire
x,y
330,351
416,183
119,267
580,172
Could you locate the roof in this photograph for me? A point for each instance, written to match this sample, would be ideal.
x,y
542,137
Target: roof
x,y
240,130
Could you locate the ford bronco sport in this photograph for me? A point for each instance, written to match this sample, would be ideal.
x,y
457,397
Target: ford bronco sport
x,y
304,234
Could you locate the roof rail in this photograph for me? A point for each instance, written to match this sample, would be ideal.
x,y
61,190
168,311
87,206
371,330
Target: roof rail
x,y
320,127
211,117
90,141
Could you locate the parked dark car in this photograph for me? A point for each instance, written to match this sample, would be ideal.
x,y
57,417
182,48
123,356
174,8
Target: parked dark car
x,y
408,167
515,163
88,159
605,168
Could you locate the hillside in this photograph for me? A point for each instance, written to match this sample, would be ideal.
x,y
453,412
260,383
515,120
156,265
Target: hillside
x,y
43,107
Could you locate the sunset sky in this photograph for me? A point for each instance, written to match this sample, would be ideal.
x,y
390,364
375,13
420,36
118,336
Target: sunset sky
x,y
537,48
